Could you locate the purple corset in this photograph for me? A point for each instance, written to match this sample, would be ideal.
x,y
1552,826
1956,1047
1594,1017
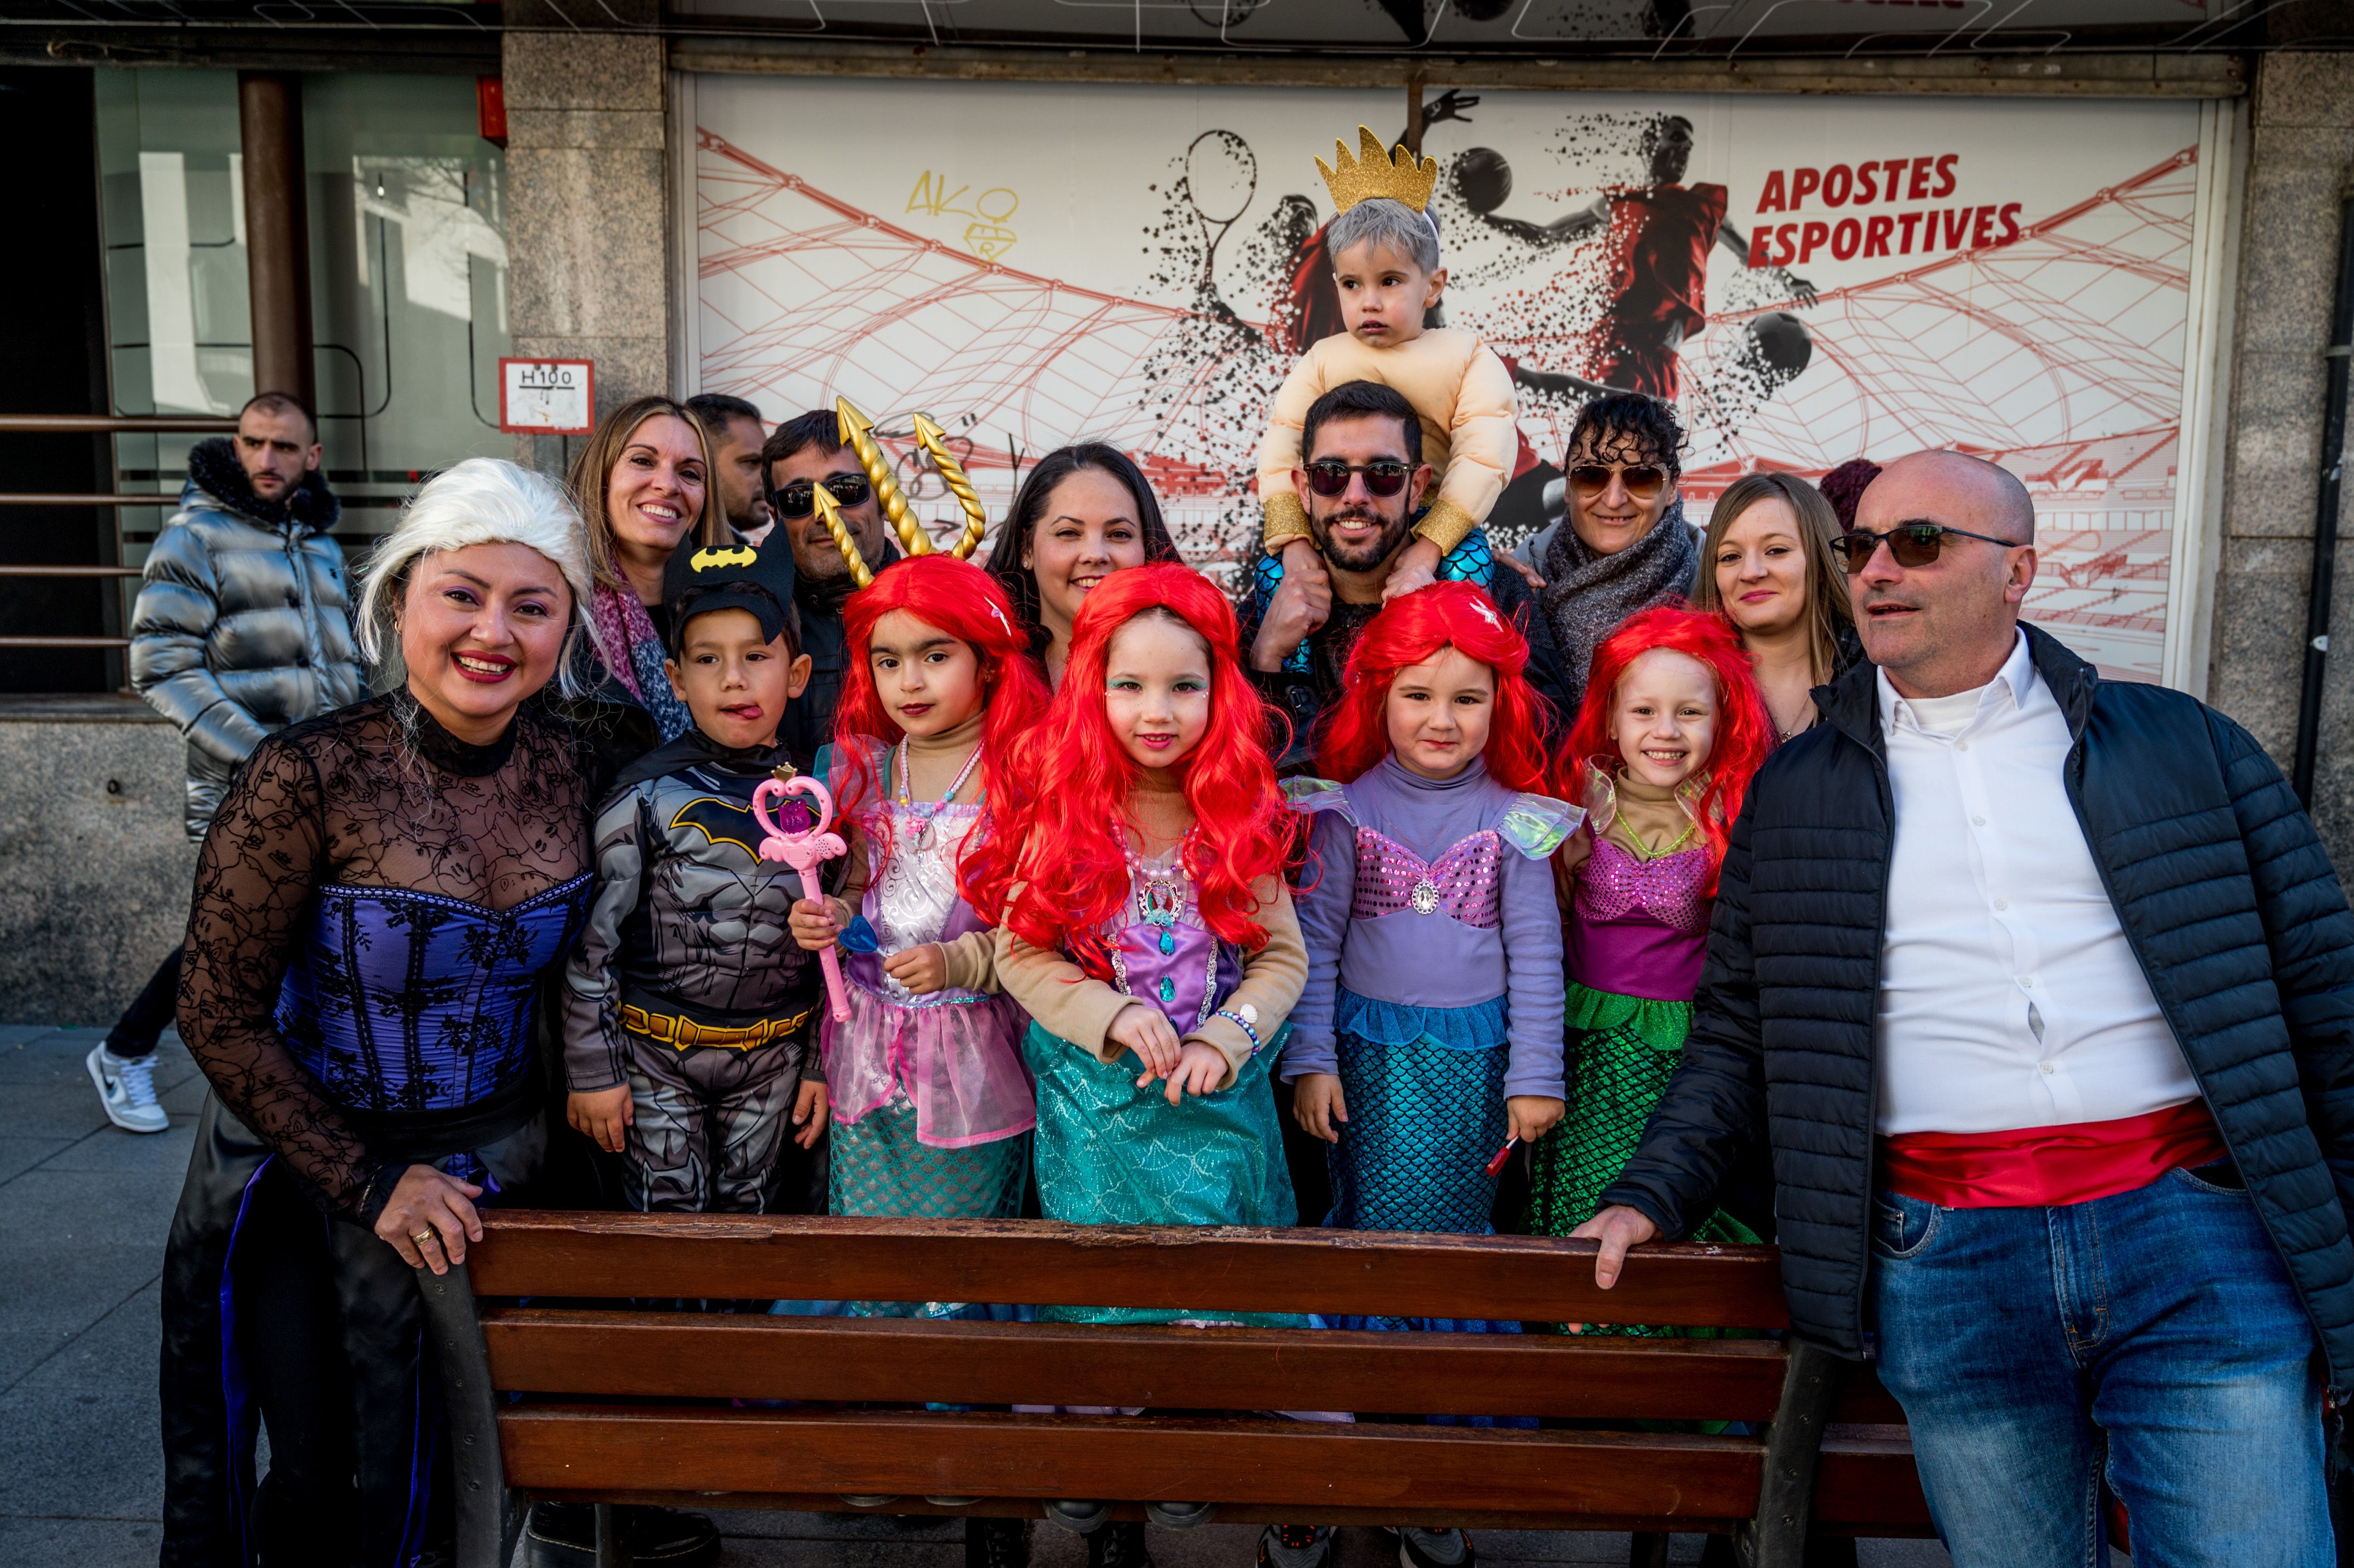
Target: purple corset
x,y
1184,971
1462,883
1641,927
1164,955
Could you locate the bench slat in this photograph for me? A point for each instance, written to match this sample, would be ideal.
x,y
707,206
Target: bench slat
x,y
1210,1268
694,1355
1410,1471
1228,1513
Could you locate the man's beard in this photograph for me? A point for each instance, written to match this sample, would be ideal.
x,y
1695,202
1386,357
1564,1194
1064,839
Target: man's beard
x,y
1361,558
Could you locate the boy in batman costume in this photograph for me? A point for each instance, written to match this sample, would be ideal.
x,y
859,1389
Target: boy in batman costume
x,y
689,1009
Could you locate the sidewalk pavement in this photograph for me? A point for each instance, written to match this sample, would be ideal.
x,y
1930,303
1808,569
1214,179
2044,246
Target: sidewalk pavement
x,y
84,1211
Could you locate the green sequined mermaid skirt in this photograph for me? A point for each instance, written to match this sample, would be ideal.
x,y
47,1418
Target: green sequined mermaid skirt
x,y
1622,1051
1112,1154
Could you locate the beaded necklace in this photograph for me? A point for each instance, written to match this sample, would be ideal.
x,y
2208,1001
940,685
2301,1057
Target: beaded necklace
x,y
927,810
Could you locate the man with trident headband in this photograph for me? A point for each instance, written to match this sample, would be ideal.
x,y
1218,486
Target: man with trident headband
x,y
830,457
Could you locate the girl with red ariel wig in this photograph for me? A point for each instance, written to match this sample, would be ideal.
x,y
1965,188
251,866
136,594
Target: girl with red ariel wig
x,y
1137,883
1671,732
1142,915
1430,1029
932,1106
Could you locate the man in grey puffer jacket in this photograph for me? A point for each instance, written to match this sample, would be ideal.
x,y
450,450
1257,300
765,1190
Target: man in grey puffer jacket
x,y
243,626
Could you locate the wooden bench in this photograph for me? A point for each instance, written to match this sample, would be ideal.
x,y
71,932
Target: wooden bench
x,y
623,1405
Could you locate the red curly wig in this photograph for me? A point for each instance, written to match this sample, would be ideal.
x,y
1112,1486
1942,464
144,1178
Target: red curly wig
x,y
964,602
1064,842
1745,732
1411,629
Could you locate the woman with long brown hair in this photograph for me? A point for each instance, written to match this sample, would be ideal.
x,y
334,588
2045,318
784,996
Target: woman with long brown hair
x,y
1084,513
643,482
1766,565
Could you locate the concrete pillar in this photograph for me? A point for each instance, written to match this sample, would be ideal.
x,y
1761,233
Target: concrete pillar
x,y
2301,157
277,232
588,212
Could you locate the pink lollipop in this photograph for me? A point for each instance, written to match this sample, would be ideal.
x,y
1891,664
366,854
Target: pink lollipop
x,y
804,852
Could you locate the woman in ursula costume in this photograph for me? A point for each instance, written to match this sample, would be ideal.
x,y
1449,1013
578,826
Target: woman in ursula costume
x,y
378,901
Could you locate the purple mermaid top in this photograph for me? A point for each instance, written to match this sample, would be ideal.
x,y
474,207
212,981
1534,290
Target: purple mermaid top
x,y
1640,927
1162,954
1430,910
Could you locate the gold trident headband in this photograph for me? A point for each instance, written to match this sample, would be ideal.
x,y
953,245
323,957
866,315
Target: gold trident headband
x,y
858,435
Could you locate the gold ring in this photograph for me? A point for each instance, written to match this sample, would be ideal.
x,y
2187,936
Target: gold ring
x,y
421,1237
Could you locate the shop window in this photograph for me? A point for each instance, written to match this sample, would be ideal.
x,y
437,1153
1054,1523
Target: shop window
x,y
407,210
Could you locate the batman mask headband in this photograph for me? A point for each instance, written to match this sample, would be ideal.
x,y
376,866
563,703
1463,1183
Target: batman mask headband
x,y
751,577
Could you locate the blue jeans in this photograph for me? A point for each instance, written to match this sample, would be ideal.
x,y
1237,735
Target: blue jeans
x,y
2151,1338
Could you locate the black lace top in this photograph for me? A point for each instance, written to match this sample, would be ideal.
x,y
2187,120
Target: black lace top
x,y
369,826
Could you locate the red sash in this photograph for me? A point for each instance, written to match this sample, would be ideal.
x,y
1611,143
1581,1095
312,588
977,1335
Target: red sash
x,y
2036,1167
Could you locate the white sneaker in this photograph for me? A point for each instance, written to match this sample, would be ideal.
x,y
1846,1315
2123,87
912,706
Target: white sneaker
x,y
126,1088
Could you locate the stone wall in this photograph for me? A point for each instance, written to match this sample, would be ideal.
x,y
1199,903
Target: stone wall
x,y
2301,157
589,214
94,866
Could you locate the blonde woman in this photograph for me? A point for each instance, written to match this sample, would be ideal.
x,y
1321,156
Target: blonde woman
x,y
1766,565
643,482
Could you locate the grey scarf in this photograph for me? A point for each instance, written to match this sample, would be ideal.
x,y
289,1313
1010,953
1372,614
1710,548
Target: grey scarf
x,y
1586,595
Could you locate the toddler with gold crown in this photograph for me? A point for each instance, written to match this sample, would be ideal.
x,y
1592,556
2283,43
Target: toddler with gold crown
x,y
1388,270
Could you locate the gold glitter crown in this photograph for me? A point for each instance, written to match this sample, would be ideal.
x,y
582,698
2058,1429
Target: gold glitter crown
x,y
1400,177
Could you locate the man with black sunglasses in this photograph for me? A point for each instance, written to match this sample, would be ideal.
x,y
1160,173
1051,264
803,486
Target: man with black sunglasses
x,y
1362,480
804,452
2040,989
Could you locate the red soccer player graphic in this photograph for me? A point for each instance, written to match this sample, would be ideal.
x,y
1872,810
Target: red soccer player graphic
x,y
1656,243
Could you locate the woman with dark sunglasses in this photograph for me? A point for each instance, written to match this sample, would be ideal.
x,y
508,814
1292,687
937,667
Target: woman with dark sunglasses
x,y
1623,545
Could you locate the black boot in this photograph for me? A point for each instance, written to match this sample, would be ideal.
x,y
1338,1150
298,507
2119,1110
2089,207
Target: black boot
x,y
1117,1545
996,1543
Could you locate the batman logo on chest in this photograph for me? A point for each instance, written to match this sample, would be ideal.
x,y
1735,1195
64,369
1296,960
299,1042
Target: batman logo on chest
x,y
721,821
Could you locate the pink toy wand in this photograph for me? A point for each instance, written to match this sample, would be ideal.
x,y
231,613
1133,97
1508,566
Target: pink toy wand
x,y
805,852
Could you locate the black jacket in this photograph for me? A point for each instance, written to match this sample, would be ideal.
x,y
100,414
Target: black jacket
x,y
2225,894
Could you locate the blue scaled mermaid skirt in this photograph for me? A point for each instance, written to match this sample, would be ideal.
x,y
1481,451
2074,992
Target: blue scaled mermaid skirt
x,y
1425,1088
1109,1153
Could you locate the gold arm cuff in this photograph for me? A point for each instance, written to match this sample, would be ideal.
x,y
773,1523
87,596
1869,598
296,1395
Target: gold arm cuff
x,y
1286,520
1446,524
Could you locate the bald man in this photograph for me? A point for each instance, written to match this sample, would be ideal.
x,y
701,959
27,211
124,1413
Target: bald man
x,y
2039,990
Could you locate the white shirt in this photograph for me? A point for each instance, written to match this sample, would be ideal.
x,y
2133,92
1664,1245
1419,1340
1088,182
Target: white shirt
x,y
2008,995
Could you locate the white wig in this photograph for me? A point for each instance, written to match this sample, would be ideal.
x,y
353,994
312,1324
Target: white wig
x,y
482,501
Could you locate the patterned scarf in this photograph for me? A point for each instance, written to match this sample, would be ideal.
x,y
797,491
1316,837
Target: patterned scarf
x,y
1586,595
622,622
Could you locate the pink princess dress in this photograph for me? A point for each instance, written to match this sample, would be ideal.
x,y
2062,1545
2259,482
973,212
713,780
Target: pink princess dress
x,y
932,1105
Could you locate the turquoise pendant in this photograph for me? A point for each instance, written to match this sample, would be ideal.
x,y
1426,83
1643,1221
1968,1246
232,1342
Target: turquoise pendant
x,y
1168,943
1168,989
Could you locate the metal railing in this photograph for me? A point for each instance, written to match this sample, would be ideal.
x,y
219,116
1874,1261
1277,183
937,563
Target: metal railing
x,y
94,424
